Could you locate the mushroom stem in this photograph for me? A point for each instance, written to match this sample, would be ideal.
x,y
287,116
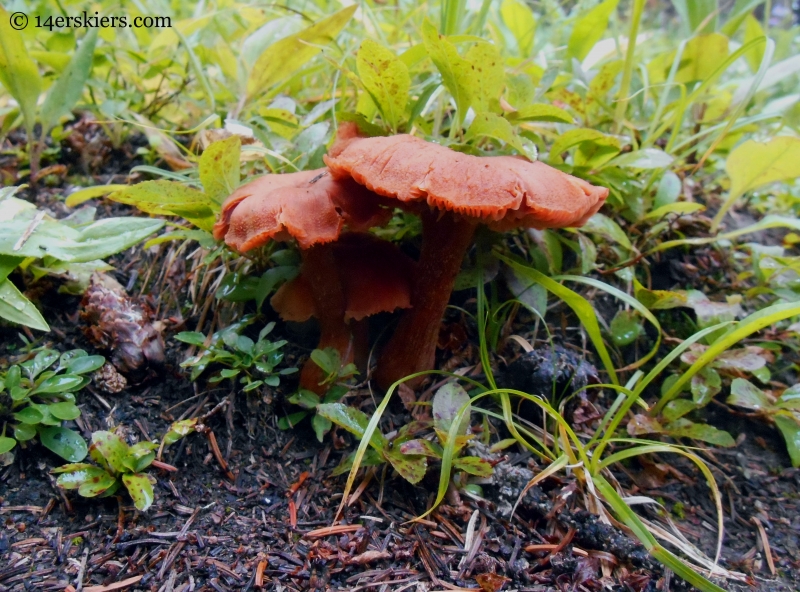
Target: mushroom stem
x,y
319,268
412,348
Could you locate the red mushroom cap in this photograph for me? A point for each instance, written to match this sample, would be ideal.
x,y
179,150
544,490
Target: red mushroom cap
x,y
375,276
503,191
310,206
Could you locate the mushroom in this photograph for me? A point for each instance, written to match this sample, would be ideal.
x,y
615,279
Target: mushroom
x,y
452,192
312,207
375,276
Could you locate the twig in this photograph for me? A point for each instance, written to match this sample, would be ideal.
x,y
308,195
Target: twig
x,y
765,542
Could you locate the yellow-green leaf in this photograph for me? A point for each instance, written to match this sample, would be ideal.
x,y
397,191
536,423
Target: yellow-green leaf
x,y
541,112
494,126
283,57
589,29
597,145
169,198
386,79
754,164
68,88
519,19
701,57
753,30
18,72
219,168
488,76
88,193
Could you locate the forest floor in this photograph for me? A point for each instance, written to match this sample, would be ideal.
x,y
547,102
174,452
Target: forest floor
x,y
259,514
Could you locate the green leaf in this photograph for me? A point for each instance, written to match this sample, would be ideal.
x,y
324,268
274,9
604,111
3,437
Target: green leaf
x,y
745,394
18,72
24,432
328,359
219,169
65,411
447,402
29,415
64,442
179,429
647,158
669,189
684,428
473,80
107,237
386,79
790,398
705,385
8,264
283,57
140,455
626,327
305,399
270,279
753,30
541,112
72,476
372,458
170,198
790,430
78,197
291,420
660,299
192,338
701,57
85,364
494,126
597,146
16,308
98,483
67,90
519,19
693,13
420,447
753,164
62,383
111,448
321,426
140,489
456,72
589,29
6,444
353,420
488,76
474,466
678,408
608,229
410,468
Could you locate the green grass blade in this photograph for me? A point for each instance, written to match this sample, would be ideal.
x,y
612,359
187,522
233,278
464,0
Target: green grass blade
x,y
627,72
627,299
632,521
753,323
712,483
580,306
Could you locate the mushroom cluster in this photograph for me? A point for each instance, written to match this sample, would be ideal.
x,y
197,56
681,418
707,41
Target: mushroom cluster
x,y
451,192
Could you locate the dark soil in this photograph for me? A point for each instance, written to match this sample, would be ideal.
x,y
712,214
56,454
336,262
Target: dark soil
x,y
262,520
